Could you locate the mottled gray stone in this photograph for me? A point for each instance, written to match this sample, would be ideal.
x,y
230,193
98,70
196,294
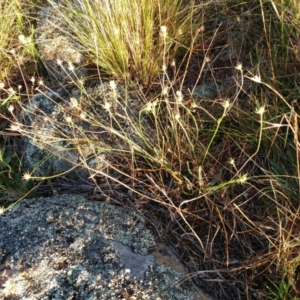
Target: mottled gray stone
x,y
57,48
66,247
49,139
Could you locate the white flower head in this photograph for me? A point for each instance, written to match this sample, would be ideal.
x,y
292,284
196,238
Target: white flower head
x,y
69,119
256,78
15,127
226,104
260,110
239,67
24,40
73,102
11,108
71,67
179,96
242,179
116,31
11,91
163,31
165,90
107,106
113,84
26,176
231,161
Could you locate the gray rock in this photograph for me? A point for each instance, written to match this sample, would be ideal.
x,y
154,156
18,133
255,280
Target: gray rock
x,y
53,145
48,139
62,56
66,247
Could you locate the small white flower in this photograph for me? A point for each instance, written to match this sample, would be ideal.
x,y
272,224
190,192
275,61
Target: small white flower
x,y
226,104
32,79
107,105
163,31
24,40
116,31
73,102
148,107
26,176
207,59
10,108
179,96
194,105
112,84
165,90
69,119
82,116
260,110
256,78
11,91
242,179
59,62
2,85
71,66
239,67
15,127
231,161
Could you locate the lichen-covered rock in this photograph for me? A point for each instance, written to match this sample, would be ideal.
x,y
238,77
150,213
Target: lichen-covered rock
x,y
57,135
66,247
62,56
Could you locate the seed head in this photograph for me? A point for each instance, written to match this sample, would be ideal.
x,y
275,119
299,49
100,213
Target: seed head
x,y
11,108
163,31
73,102
112,84
179,96
256,78
239,67
26,176
260,110
69,119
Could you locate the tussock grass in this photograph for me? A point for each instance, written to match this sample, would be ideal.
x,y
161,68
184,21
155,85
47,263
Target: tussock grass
x,y
127,42
218,177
